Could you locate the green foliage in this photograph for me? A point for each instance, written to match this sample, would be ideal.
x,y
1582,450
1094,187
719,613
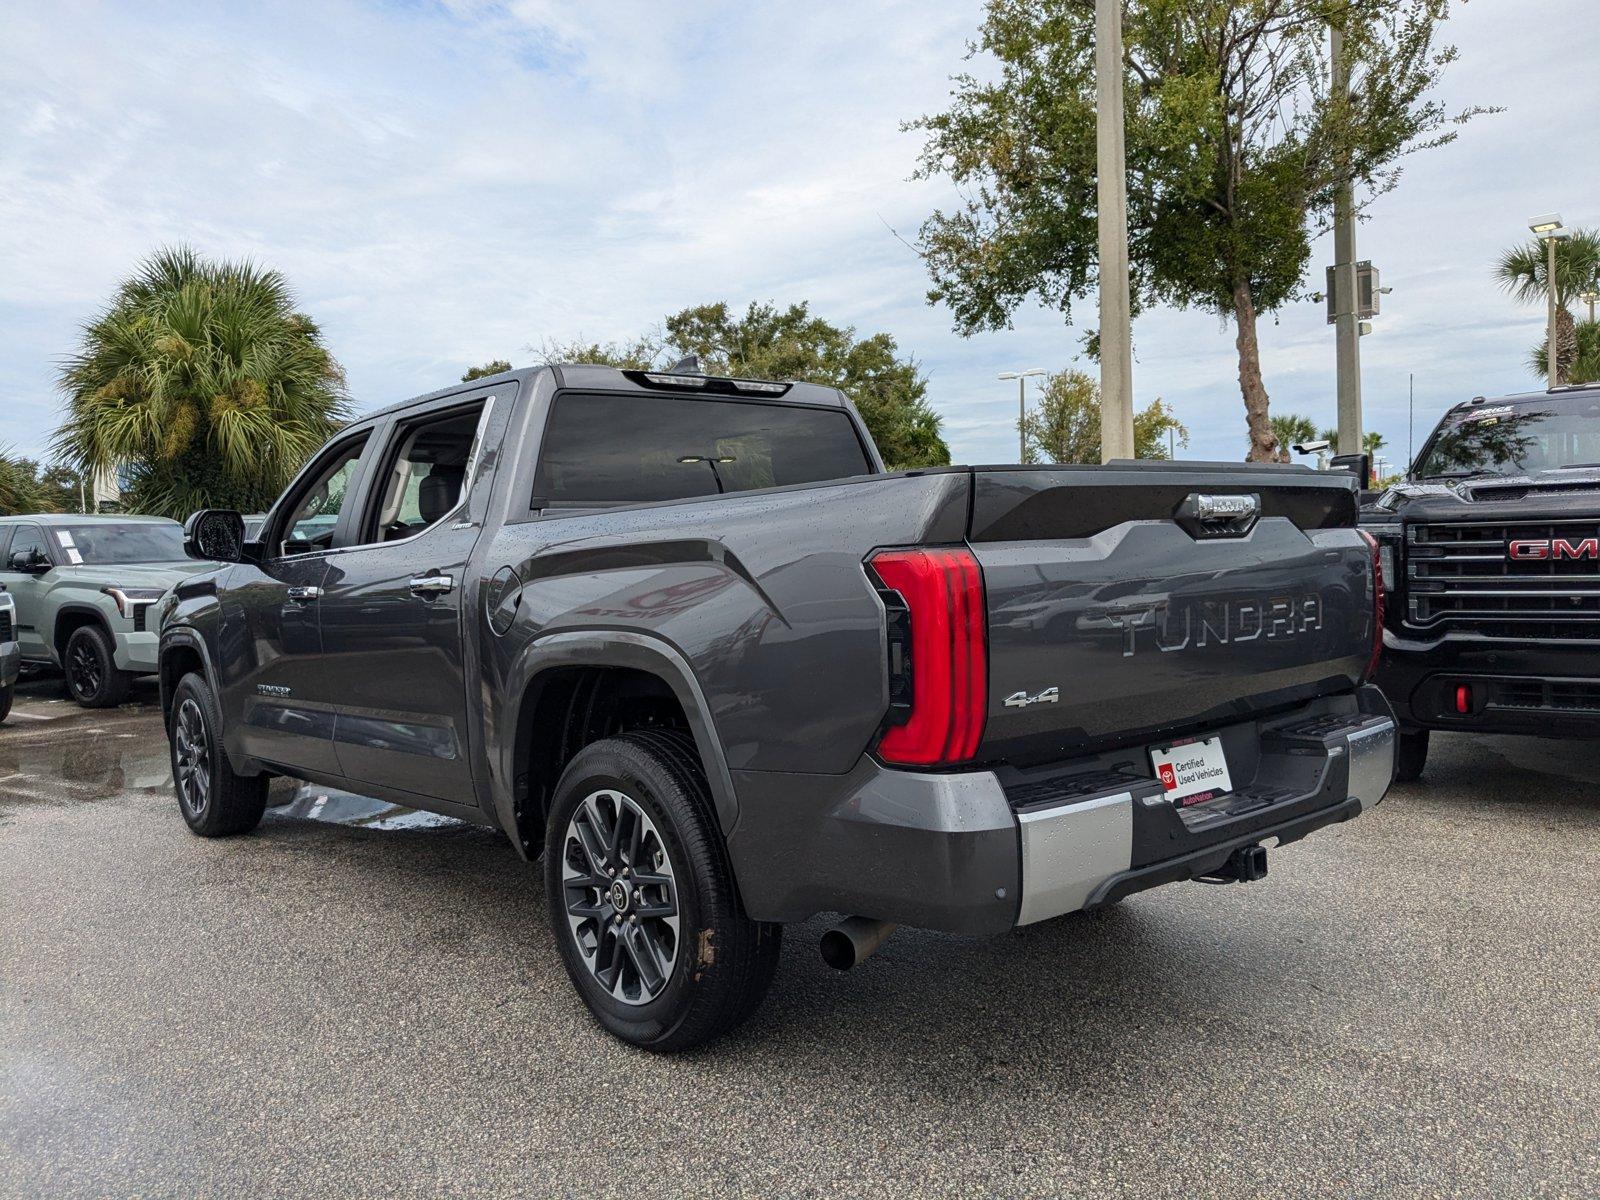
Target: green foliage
x,y
1235,151
205,381
27,486
1583,363
766,342
19,487
1292,428
489,368
1064,424
1524,271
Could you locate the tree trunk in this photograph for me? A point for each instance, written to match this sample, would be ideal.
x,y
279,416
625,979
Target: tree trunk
x,y
1566,344
1263,444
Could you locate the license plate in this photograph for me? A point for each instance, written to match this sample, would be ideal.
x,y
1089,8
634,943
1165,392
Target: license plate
x,y
1193,772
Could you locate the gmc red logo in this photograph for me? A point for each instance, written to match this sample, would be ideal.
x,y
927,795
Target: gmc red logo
x,y
1553,548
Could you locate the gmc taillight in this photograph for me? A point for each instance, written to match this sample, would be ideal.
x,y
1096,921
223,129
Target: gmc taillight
x,y
1377,603
938,661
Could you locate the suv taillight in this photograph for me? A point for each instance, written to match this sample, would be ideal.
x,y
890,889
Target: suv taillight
x,y
938,662
1377,603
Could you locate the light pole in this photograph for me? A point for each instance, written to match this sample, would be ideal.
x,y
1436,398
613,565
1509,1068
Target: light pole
x,y
1346,303
1111,192
1022,378
1589,298
1548,229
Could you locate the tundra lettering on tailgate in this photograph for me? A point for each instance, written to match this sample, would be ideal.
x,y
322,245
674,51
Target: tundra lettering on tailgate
x,y
1194,625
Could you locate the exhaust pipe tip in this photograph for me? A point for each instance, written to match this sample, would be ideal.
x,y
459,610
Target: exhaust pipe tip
x,y
852,941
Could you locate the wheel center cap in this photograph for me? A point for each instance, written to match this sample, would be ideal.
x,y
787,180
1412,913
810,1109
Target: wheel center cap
x,y
619,896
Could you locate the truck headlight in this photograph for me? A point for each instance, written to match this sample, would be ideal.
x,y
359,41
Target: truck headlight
x,y
131,598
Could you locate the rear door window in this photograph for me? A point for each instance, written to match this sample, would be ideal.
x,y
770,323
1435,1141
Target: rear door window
x,y
601,449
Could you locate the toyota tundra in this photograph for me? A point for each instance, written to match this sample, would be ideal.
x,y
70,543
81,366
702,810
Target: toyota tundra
x,y
687,638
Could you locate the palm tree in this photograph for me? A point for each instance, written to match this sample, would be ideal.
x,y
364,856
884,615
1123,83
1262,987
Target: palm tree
x,y
1523,272
203,381
19,487
1585,366
1290,428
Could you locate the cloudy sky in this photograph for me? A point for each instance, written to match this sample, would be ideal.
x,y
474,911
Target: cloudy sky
x,y
449,182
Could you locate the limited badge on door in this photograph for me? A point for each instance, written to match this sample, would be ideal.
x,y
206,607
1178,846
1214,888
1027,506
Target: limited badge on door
x,y
1193,772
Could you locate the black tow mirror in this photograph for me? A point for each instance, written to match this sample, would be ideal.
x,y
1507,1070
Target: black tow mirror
x,y
214,534
30,562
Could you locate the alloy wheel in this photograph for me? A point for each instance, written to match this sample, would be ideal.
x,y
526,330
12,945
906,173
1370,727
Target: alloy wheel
x,y
192,757
83,669
621,897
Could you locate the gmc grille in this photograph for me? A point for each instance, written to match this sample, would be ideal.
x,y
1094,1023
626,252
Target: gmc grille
x,y
1458,578
6,632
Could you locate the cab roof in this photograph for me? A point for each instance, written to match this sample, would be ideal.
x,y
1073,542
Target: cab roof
x,y
589,377
82,518
1555,393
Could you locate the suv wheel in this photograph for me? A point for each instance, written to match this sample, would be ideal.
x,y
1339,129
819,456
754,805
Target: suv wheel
x,y
6,693
1410,753
92,675
641,898
214,800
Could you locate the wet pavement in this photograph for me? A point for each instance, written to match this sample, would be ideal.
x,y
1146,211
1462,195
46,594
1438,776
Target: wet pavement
x,y
362,1000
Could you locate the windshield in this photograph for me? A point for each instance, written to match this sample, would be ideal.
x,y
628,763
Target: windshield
x,y
1520,439
111,542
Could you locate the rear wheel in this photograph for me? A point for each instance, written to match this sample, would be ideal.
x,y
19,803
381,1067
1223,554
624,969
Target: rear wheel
x,y
1410,754
214,800
641,897
92,675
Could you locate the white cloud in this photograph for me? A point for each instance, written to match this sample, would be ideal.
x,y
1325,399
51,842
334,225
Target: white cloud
x,y
447,183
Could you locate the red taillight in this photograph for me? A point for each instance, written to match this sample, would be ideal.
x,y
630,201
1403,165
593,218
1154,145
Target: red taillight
x,y
1377,604
947,662
1463,697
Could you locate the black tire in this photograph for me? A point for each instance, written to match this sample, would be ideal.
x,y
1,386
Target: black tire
x,y
214,800
92,676
1410,754
6,694
721,962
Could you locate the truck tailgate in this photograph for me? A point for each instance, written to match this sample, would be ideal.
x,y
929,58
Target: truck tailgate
x,y
1117,615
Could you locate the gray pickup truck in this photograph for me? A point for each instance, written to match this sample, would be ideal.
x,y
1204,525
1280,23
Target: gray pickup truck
x,y
84,588
687,638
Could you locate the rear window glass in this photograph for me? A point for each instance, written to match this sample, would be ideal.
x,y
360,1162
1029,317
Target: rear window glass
x,y
635,449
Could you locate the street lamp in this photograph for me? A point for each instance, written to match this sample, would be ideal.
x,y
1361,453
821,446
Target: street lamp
x,y
1548,227
1022,378
1589,298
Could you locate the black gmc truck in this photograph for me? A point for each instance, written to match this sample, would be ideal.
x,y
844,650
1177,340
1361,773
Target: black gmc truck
x,y
1491,559
685,637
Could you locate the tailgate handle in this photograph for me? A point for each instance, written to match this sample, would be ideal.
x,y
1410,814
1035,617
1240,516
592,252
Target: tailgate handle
x,y
1205,515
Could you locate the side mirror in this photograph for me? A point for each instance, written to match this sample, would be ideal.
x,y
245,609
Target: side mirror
x,y
214,534
30,562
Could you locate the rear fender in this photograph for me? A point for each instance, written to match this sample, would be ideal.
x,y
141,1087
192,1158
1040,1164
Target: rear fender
x,y
611,648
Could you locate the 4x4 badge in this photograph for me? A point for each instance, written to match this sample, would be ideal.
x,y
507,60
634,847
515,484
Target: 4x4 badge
x,y
1021,699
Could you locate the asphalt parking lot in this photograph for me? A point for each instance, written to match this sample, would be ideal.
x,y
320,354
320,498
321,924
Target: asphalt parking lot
x,y
361,1001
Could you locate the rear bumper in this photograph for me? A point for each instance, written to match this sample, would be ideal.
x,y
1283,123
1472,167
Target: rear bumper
x,y
10,663
983,851
1529,688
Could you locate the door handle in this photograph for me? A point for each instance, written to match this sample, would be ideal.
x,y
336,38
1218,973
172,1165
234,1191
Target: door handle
x,y
303,593
432,585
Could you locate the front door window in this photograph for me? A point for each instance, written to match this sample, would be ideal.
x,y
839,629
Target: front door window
x,y
314,513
